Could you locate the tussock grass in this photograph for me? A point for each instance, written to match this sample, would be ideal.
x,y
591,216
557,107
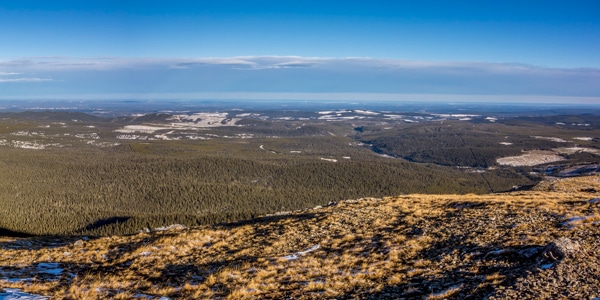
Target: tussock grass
x,y
424,246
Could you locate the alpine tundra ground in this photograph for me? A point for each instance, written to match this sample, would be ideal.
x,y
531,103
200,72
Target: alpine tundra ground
x,y
496,246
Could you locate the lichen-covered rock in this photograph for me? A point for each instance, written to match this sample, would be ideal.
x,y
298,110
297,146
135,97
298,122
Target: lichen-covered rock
x,y
561,248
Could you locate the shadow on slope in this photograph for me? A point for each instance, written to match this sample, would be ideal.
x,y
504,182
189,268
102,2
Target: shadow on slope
x,y
9,233
102,223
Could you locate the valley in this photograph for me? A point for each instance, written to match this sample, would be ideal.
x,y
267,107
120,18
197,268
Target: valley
x,y
72,173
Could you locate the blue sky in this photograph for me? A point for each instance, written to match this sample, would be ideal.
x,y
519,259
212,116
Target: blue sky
x,y
271,48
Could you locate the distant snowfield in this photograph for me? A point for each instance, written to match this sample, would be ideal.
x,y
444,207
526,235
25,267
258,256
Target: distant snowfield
x,y
195,121
549,138
149,129
582,138
538,157
456,116
530,158
340,117
30,145
366,112
571,150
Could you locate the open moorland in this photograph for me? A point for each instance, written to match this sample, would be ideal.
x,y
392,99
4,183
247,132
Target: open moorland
x,y
536,244
74,173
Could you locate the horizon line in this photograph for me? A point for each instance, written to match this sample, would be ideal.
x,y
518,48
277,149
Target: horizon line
x,y
273,96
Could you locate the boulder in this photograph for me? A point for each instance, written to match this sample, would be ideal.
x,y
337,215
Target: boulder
x,y
561,248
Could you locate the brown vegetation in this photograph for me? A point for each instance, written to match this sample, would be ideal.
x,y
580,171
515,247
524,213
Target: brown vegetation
x,y
411,246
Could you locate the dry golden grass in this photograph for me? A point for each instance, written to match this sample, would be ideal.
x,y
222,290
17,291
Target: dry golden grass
x,y
424,246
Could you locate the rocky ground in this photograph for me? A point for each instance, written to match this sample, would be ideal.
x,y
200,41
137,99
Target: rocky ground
x,y
539,244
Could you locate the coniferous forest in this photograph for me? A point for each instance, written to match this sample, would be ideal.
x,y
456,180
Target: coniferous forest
x,y
67,173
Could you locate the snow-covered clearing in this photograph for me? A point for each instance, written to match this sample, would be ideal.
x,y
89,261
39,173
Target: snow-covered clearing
x,y
142,128
34,145
549,138
455,116
27,133
329,159
531,158
203,119
366,112
93,136
583,138
132,137
195,121
572,150
394,117
340,118
329,112
247,115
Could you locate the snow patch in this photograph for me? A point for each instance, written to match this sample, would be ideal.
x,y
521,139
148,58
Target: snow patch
x,y
366,112
573,221
49,268
394,117
141,128
329,159
571,150
17,294
530,158
34,145
171,227
302,253
132,137
549,138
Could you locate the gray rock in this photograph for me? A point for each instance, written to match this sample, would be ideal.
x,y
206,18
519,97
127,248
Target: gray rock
x,y
561,248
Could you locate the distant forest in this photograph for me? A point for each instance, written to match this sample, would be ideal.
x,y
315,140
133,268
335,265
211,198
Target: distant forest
x,y
81,189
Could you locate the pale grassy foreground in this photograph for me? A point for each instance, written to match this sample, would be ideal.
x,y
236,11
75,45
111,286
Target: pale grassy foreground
x,y
413,246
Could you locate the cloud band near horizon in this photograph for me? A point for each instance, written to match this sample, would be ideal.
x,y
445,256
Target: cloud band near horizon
x,y
271,75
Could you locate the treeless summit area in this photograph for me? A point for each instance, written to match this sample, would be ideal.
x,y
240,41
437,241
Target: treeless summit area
x,y
538,244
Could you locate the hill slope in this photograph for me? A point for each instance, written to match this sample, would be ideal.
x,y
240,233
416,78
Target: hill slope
x,y
413,246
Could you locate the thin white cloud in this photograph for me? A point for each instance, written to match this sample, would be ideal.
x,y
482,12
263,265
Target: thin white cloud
x,y
392,97
280,74
24,79
269,62
190,63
